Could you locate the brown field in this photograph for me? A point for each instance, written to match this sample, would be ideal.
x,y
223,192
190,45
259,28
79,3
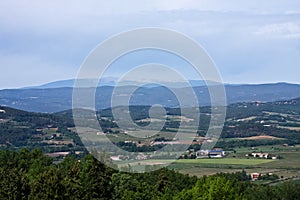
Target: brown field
x,y
261,137
290,128
60,142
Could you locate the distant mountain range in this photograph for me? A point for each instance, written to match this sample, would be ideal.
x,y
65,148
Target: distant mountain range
x,y
111,81
57,96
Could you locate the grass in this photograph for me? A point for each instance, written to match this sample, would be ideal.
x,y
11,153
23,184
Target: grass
x,y
201,167
221,161
290,160
227,161
287,166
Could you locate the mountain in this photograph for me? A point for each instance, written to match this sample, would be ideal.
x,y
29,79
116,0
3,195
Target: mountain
x,y
58,99
107,81
112,81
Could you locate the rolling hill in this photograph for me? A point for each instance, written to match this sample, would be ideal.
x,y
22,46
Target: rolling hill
x,y
54,132
50,100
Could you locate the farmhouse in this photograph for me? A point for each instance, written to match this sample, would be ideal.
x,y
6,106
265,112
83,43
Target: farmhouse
x,y
254,176
260,155
216,153
213,153
115,158
202,154
100,133
141,156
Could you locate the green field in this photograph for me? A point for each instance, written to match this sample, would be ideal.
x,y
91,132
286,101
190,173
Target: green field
x,y
200,166
226,161
287,166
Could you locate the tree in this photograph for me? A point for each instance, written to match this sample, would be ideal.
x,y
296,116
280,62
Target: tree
x,y
14,184
70,169
212,188
47,185
95,178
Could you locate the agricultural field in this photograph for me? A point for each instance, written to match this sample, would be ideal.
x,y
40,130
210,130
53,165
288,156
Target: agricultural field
x,y
287,166
225,161
271,128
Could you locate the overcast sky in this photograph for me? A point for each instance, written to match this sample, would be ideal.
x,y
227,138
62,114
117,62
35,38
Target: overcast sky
x,y
250,41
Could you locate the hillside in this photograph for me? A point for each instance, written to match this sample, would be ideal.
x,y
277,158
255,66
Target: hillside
x,y
280,119
51,133
58,99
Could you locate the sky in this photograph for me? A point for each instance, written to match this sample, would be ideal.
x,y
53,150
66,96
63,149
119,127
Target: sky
x,y
249,41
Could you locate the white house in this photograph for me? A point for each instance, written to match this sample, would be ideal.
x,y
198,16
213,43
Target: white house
x,y
213,153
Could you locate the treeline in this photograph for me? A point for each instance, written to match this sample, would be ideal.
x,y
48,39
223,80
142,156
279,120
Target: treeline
x,y
32,175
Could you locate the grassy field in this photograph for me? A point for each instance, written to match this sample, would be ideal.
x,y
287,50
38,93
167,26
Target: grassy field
x,y
287,166
226,161
209,161
200,167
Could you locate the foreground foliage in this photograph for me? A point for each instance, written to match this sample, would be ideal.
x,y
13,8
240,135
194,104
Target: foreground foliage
x,y
32,175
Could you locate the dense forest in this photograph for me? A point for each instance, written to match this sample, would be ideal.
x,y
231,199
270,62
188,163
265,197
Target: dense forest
x,y
32,175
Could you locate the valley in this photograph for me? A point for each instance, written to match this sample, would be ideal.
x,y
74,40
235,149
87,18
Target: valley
x,y
270,128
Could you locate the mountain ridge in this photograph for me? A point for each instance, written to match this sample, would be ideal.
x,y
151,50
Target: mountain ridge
x,y
112,81
58,99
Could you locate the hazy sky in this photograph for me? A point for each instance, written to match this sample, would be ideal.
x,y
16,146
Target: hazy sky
x,y
250,41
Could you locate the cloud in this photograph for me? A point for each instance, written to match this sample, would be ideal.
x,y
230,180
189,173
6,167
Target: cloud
x,y
288,30
239,35
21,71
254,6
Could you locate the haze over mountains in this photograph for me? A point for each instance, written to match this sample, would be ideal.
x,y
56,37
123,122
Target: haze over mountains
x,y
112,81
57,96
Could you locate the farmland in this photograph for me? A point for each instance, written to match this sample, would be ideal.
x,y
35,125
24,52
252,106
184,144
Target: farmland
x,y
287,166
249,127
225,161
